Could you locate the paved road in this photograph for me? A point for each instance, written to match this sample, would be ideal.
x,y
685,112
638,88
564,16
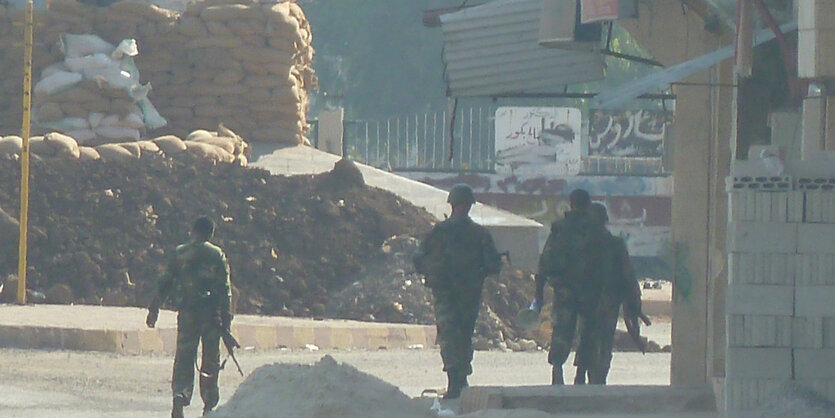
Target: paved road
x,y
44,384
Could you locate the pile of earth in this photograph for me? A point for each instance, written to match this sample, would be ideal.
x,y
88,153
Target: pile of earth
x,y
101,231
325,389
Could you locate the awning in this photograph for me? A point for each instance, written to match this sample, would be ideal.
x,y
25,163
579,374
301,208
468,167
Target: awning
x,y
617,97
493,50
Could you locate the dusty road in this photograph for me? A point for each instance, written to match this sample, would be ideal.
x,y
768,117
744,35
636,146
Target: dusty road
x,y
38,383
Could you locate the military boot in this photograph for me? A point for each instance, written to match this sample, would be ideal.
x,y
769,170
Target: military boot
x,y
178,405
556,376
456,382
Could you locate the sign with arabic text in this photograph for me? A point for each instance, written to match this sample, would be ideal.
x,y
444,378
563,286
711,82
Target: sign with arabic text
x,y
538,140
628,133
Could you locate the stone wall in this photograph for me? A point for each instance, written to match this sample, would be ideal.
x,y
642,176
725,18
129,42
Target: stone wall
x,y
238,62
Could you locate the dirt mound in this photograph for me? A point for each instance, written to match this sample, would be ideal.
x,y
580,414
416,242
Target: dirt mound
x,y
291,241
326,389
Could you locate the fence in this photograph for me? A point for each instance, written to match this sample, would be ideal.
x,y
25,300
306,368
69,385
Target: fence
x,y
421,142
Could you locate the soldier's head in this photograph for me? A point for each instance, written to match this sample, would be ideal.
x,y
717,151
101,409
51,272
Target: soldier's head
x,y
598,213
202,229
579,200
461,198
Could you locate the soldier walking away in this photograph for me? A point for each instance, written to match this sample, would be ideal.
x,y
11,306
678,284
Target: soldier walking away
x,y
619,286
565,264
196,284
456,256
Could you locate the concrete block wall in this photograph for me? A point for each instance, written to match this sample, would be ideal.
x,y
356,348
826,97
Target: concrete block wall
x,y
780,308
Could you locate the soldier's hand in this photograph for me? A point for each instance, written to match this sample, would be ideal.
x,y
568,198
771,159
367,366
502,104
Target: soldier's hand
x,y
151,319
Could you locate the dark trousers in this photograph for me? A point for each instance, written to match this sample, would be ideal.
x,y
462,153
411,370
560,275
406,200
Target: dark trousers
x,y
456,312
194,329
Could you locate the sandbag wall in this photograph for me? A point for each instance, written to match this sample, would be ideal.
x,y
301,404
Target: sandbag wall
x,y
245,64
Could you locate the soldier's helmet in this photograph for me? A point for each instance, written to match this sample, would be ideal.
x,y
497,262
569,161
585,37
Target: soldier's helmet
x,y
461,194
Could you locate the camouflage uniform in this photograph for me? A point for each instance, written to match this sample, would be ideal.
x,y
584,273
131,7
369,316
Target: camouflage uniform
x,y
619,287
456,256
196,283
566,260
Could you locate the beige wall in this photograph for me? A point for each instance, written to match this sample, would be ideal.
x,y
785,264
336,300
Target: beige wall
x,y
699,209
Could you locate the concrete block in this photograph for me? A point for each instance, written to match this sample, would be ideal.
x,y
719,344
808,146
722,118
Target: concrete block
x,y
759,331
813,206
763,207
266,337
815,301
341,338
741,206
814,57
762,237
823,387
807,332
758,363
794,206
806,269
741,268
814,363
760,300
779,206
828,207
322,338
815,14
378,338
417,336
303,336
816,239
828,332
747,394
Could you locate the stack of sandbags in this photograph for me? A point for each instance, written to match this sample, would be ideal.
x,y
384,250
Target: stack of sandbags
x,y
94,94
222,146
246,64
241,62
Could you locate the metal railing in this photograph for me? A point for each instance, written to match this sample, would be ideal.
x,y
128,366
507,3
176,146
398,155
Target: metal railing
x,y
421,142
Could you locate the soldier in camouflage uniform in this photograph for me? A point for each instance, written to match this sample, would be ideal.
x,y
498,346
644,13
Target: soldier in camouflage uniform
x,y
196,284
456,257
566,263
619,286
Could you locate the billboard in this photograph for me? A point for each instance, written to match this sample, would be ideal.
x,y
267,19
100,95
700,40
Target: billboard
x,y
628,133
598,10
538,140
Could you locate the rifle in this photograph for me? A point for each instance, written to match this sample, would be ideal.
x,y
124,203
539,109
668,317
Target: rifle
x,y
633,327
231,344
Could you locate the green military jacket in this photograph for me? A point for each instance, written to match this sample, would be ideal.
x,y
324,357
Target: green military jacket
x,y
196,279
571,253
457,253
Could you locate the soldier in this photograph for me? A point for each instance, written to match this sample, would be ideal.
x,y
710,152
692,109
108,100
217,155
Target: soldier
x,y
196,283
455,257
619,286
565,264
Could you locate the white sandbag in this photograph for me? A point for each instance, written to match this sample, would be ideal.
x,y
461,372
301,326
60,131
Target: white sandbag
x,y
80,45
10,145
226,144
89,63
199,133
95,119
39,147
133,148
52,69
132,120
88,154
63,145
148,147
170,144
114,153
114,132
66,124
57,82
151,116
82,136
110,120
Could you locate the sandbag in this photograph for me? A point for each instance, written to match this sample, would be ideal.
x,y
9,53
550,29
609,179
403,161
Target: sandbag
x,y
225,42
114,153
170,144
73,46
88,154
207,151
132,147
57,82
199,133
227,12
148,147
226,144
10,145
114,132
63,145
138,8
82,136
192,27
50,112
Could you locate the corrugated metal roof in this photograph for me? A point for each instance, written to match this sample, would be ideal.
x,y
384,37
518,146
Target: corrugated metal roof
x,y
493,49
